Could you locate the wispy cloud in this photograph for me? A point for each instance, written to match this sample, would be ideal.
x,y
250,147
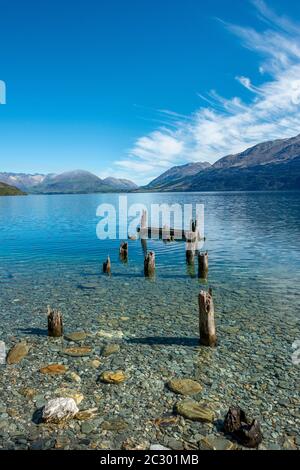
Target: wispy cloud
x,y
223,126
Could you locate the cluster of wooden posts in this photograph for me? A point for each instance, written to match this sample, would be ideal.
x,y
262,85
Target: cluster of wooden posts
x,y
207,327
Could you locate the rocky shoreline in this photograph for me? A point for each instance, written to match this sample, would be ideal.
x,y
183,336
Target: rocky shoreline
x,y
134,390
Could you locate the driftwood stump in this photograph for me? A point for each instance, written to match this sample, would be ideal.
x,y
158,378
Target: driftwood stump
x,y
202,265
124,251
149,264
207,327
107,266
55,323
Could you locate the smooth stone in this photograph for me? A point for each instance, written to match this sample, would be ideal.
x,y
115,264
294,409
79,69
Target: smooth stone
x,y
76,395
77,351
158,447
184,386
76,336
216,443
116,424
110,349
73,377
110,334
112,377
17,353
95,363
53,369
86,414
59,409
2,352
195,411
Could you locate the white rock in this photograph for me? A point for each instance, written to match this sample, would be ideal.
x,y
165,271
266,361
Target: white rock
x,y
2,352
158,447
59,409
111,334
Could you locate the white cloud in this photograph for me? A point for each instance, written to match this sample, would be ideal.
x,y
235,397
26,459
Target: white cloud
x,y
223,126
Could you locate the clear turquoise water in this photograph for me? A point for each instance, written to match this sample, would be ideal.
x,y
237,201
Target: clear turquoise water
x,y
252,238
49,254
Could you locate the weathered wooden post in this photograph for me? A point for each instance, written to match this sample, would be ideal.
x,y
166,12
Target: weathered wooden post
x,y
55,323
124,251
203,265
107,266
207,328
149,264
190,248
144,246
194,225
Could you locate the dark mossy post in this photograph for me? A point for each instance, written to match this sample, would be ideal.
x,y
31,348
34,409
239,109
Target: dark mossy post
x,y
207,328
149,264
144,245
203,265
190,248
55,323
124,251
107,266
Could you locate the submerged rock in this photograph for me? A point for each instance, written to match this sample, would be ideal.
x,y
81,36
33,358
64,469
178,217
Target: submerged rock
x,y
2,352
17,353
112,377
59,409
110,349
110,334
184,386
73,377
195,411
158,447
69,393
86,414
115,424
216,443
54,369
77,351
76,336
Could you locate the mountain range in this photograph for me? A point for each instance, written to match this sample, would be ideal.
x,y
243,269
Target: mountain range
x,y
272,165
72,182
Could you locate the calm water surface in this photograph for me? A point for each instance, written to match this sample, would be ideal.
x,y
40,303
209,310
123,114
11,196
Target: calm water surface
x,y
49,254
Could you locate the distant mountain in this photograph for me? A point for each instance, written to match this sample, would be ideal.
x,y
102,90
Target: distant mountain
x,y
173,178
22,181
272,165
120,183
7,190
72,182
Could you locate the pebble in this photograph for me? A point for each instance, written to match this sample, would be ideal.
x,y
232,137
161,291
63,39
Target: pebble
x,y
184,386
17,353
112,377
195,411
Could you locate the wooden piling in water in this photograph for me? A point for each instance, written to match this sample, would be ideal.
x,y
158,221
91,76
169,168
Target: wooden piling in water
x,y
149,264
207,328
123,251
107,266
55,323
203,265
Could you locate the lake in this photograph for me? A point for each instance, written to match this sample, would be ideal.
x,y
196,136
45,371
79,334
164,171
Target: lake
x,y
50,255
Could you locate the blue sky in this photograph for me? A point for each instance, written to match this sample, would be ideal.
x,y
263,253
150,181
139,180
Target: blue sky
x,y
130,88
